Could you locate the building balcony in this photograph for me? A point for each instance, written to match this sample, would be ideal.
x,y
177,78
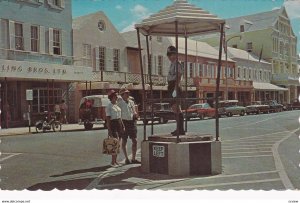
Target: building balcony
x,y
285,77
134,78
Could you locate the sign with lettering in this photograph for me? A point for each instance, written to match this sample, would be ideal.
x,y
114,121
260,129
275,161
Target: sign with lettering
x,y
34,70
158,151
29,95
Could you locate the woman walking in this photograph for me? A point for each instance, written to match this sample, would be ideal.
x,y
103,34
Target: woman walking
x,y
114,123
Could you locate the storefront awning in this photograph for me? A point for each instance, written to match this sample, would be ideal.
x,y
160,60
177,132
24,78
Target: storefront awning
x,y
267,87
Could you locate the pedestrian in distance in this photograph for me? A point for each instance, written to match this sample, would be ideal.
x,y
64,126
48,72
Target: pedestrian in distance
x,y
63,110
57,111
114,122
129,116
174,88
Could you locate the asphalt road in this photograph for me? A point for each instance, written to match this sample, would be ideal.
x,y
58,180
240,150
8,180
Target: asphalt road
x,y
258,151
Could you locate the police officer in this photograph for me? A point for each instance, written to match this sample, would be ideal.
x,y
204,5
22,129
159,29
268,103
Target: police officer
x,y
174,82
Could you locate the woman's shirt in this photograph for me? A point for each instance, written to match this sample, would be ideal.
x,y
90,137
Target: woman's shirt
x,y
113,110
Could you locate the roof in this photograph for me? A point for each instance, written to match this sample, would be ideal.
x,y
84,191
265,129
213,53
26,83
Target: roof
x,y
191,21
242,54
197,48
267,86
259,21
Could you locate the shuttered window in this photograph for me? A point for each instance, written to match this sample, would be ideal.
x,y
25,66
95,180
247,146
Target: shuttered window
x,y
56,42
102,55
19,39
34,38
87,55
116,59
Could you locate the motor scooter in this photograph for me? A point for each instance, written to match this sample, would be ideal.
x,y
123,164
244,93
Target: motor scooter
x,y
46,124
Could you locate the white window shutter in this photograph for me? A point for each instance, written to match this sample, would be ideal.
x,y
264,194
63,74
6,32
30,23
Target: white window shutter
x,y
97,62
42,39
62,3
12,44
27,36
63,43
51,41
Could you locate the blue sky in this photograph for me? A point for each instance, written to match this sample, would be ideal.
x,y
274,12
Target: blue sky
x,y
125,13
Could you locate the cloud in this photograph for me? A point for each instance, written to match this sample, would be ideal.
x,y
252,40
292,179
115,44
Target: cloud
x,y
292,8
140,11
129,27
119,7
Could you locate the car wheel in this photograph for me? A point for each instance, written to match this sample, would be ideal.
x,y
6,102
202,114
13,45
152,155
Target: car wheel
x,y
258,112
229,114
145,122
242,113
201,116
165,120
88,125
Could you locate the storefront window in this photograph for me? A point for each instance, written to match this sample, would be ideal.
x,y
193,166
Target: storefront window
x,y
40,99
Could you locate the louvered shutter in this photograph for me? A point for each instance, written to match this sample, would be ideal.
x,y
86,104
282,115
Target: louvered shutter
x,y
42,39
51,41
27,36
97,59
62,3
63,43
12,44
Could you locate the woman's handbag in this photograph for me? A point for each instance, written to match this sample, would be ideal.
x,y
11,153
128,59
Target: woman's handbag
x,y
111,146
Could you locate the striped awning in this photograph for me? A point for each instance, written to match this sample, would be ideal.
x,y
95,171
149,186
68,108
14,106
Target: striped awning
x,y
191,21
267,87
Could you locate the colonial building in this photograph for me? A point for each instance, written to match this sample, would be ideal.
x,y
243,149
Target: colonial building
x,y
249,68
270,36
35,54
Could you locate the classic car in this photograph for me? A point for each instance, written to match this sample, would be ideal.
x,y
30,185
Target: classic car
x,y
162,113
230,108
274,106
199,111
257,107
294,105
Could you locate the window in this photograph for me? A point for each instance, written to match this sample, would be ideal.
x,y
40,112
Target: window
x,y
160,65
86,55
204,70
260,75
19,40
40,99
244,73
116,59
200,71
191,70
102,54
249,47
238,72
242,28
34,38
250,74
56,42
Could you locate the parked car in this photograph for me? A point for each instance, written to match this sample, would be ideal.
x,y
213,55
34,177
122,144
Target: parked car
x,y
230,108
257,107
294,105
162,113
199,111
274,106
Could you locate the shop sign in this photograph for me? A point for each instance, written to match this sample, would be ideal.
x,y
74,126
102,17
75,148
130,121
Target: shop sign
x,y
34,70
158,151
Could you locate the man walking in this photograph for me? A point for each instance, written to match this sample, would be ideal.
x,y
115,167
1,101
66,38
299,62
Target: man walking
x,y
174,89
128,115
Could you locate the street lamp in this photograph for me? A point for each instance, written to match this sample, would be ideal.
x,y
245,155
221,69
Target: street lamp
x,y
226,58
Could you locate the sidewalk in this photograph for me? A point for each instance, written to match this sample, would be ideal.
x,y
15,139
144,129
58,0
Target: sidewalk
x,y
25,130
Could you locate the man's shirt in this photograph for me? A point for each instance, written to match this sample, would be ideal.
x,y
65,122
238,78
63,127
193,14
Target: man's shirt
x,y
172,71
127,109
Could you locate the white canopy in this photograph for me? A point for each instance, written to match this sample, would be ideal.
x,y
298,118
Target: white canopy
x,y
267,87
191,21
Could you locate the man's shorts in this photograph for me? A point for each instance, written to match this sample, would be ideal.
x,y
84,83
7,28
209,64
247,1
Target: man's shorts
x,y
116,128
171,88
130,130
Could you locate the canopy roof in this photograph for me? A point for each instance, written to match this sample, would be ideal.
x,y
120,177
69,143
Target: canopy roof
x,y
191,21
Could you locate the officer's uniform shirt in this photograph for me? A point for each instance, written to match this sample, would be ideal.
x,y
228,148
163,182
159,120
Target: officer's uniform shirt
x,y
172,71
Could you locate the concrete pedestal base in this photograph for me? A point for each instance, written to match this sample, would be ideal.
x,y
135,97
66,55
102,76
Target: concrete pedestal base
x,y
196,155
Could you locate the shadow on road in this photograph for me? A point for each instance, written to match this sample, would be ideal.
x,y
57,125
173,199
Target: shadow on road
x,y
96,169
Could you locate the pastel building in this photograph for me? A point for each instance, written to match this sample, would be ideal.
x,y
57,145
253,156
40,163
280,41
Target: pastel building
x,y
271,36
250,68
35,54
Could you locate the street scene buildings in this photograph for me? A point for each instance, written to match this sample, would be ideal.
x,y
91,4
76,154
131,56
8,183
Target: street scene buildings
x,y
47,56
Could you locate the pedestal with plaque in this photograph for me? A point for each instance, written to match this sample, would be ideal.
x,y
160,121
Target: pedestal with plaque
x,y
196,154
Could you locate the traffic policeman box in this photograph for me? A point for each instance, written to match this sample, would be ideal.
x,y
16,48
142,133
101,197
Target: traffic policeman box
x,y
190,157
